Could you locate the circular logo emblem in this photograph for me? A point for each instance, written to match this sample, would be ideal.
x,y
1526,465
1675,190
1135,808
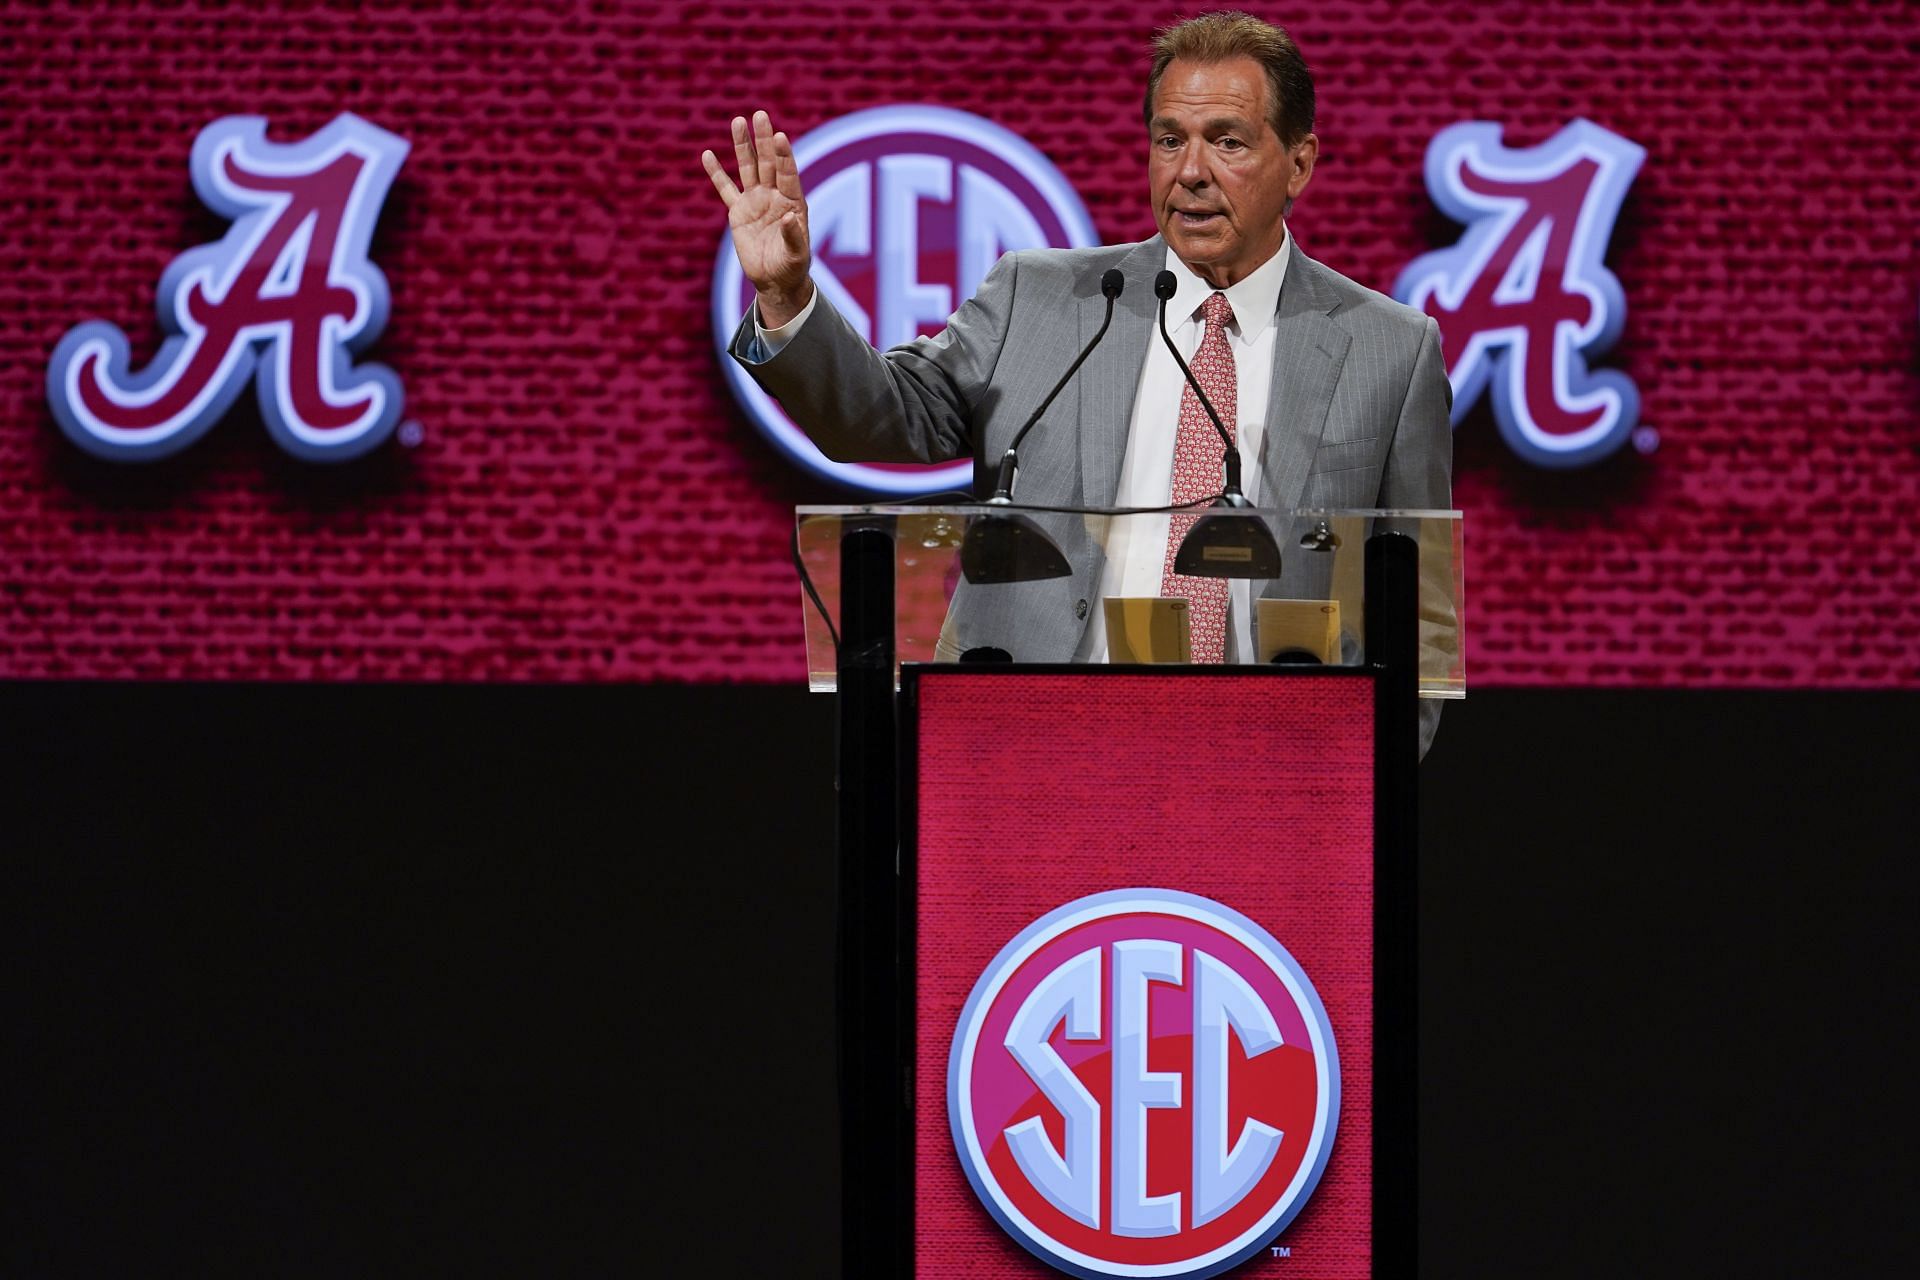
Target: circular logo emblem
x,y
1143,1083
908,208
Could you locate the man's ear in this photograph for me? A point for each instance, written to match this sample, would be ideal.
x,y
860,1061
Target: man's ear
x,y
1303,156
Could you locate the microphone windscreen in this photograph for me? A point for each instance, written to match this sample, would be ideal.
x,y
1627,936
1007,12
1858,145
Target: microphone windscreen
x,y
1112,283
1165,286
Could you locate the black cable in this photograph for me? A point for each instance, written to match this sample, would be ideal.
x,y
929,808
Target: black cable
x,y
806,585
983,508
806,579
965,499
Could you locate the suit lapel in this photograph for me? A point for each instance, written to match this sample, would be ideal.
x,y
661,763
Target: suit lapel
x,y
1308,353
1111,374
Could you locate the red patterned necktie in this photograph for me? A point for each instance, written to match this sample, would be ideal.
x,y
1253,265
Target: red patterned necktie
x,y
1197,474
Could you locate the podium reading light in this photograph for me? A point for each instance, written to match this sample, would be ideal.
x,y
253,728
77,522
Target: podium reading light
x,y
1228,541
1005,546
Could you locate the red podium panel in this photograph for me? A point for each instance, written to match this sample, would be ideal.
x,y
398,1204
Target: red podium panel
x,y
1245,839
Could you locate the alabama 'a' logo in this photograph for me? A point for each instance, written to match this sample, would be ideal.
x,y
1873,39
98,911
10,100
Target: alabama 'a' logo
x,y
1524,300
284,300
1143,1083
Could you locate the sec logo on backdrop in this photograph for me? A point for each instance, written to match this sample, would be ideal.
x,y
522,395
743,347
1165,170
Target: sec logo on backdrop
x,y
908,207
1143,1083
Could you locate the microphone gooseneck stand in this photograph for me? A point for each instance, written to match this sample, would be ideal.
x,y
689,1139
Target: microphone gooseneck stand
x,y
1164,287
1111,285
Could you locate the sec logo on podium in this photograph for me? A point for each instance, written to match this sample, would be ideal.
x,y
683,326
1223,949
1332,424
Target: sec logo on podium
x,y
1143,1083
908,207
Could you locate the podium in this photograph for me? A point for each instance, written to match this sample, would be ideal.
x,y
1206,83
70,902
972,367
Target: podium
x,y
1127,976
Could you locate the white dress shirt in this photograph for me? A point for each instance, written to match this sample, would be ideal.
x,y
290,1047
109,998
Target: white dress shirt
x,y
771,340
1137,545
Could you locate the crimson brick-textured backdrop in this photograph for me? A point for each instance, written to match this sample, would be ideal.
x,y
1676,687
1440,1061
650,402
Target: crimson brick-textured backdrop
x,y
587,504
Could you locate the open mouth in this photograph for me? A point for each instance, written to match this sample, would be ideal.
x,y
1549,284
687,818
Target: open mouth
x,y
1198,217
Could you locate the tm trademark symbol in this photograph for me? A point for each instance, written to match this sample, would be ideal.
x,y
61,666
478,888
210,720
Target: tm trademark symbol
x,y
1281,1250
411,434
1646,439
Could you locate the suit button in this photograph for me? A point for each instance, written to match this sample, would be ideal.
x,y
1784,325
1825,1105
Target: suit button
x,y
1080,609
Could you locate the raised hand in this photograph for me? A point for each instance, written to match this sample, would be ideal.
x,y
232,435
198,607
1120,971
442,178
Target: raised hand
x,y
767,214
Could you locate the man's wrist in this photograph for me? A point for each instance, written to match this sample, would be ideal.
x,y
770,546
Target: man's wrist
x,y
777,310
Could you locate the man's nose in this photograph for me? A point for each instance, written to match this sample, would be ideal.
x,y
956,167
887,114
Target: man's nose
x,y
1193,165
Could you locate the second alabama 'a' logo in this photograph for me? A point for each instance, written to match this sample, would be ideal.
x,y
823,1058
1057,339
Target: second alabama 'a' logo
x,y
1525,299
283,300
1143,1083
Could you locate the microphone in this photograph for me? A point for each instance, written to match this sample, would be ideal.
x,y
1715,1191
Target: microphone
x,y
1219,544
1110,286
1164,287
1008,546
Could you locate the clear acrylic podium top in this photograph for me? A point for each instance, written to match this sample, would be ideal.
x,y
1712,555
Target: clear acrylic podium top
x,y
1312,612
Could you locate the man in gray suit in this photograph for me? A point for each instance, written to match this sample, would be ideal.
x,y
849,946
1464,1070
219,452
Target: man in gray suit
x,y
1343,397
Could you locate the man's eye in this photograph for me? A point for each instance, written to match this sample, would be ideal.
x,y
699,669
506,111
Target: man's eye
x,y
1229,144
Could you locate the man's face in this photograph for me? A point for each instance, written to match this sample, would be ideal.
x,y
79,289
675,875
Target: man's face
x,y
1219,176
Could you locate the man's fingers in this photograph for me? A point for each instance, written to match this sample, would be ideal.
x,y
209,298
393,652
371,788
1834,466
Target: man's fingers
x,y
793,233
721,182
743,154
763,146
765,159
786,170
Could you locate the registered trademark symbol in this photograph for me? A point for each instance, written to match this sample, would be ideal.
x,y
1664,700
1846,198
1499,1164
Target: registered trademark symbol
x,y
1646,439
411,434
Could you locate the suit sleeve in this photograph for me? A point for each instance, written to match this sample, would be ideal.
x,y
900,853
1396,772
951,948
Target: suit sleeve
x,y
914,403
1419,474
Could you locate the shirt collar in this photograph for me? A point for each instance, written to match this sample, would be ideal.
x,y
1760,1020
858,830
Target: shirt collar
x,y
1255,300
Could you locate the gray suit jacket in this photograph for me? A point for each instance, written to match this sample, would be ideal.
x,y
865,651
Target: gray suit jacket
x,y
1358,414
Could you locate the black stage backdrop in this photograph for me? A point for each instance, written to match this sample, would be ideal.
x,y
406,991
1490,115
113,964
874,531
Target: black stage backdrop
x,y
313,980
